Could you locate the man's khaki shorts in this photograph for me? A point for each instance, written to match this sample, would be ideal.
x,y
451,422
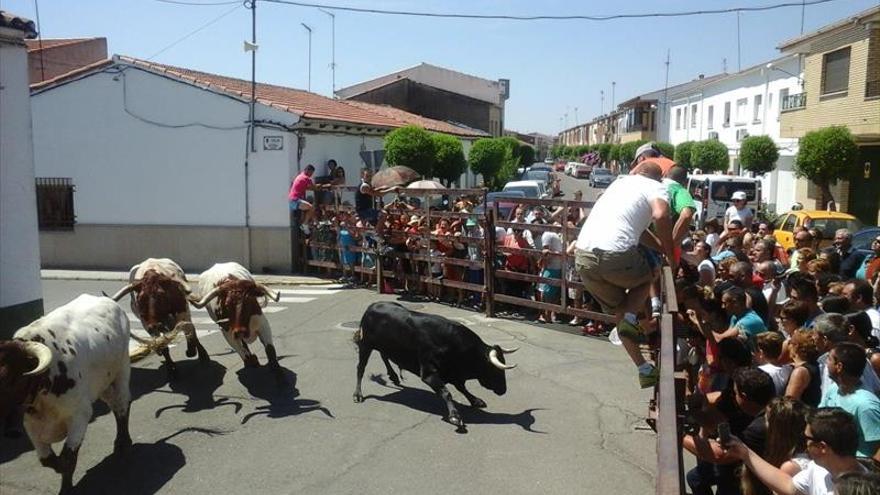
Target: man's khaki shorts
x,y
607,275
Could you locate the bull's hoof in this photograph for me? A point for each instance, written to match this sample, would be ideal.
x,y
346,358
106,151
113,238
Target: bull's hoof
x,y
251,361
358,398
121,446
190,352
203,355
51,462
478,403
455,420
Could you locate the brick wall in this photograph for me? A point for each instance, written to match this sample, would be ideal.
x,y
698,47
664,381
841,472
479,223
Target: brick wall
x,y
62,56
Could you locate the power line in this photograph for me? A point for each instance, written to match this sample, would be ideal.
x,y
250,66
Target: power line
x,y
199,4
197,30
609,17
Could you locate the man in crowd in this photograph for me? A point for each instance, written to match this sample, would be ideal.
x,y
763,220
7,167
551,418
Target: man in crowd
x,y
802,288
850,258
739,210
745,323
832,329
743,276
832,439
845,365
861,298
612,266
296,197
650,151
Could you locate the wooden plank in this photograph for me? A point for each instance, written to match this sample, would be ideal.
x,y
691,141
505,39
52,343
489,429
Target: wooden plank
x,y
528,303
322,264
528,277
668,442
455,284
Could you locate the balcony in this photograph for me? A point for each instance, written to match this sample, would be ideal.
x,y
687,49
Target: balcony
x,y
872,88
794,102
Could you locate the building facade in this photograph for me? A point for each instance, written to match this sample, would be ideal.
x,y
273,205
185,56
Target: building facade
x,y
735,106
841,65
440,94
50,58
21,293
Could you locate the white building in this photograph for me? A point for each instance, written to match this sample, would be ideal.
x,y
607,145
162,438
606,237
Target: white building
x,y
738,105
162,163
21,294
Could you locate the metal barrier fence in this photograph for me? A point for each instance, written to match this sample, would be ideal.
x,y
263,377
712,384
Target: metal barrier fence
x,y
666,409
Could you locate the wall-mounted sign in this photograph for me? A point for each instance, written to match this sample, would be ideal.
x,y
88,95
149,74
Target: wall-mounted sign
x,y
271,143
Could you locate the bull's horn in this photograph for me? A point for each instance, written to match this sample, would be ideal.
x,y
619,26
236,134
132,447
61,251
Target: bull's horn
x,y
508,351
205,300
41,352
122,292
274,295
493,357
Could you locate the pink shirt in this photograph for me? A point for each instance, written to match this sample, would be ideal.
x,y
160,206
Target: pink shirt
x,y
298,189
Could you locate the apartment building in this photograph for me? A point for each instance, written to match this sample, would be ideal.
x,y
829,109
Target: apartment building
x,y
841,64
732,107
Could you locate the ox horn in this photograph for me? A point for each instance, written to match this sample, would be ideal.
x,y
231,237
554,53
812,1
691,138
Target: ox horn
x,y
122,292
493,357
508,351
205,300
41,352
274,295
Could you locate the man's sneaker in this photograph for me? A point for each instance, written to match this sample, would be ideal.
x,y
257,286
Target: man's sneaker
x,y
655,311
649,379
628,330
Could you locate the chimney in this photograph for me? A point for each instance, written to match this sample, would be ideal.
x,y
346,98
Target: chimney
x,y
701,76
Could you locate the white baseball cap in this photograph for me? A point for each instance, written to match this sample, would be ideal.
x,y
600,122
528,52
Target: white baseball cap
x,y
739,195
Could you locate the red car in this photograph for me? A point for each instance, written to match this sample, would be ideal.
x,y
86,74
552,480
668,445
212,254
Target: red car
x,y
559,166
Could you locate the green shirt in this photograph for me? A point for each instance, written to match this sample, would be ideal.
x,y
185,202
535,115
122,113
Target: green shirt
x,y
679,198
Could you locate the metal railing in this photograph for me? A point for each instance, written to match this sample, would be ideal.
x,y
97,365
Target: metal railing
x,y
794,102
668,405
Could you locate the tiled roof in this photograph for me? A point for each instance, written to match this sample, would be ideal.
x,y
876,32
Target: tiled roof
x,y
303,103
861,16
13,21
72,74
45,44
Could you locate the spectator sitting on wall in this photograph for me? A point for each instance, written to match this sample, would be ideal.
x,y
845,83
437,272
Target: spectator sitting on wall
x,y
296,197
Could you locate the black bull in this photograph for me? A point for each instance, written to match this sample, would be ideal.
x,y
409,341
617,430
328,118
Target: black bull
x,y
436,349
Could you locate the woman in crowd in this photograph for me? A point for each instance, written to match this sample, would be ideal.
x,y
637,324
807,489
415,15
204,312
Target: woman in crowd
x,y
805,382
785,445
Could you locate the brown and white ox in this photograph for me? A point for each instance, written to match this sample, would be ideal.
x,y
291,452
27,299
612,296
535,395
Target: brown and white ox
x,y
234,301
159,292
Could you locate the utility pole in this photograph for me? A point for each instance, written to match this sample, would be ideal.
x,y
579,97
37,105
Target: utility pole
x,y
665,107
252,4
602,100
310,54
738,46
613,84
575,115
332,50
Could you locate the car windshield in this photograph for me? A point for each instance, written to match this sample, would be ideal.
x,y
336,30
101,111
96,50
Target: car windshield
x,y
863,239
529,191
539,175
828,226
721,191
601,171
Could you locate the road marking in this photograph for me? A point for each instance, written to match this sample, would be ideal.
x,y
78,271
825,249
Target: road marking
x,y
197,320
308,292
296,299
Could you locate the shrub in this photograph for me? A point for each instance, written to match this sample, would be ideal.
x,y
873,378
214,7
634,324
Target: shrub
x,y
413,147
668,149
758,154
710,156
449,162
627,151
487,157
825,156
682,154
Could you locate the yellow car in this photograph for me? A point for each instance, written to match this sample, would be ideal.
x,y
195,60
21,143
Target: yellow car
x,y
826,221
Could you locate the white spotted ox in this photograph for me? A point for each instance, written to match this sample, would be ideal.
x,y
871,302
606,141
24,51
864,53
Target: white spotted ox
x,y
232,298
56,367
159,292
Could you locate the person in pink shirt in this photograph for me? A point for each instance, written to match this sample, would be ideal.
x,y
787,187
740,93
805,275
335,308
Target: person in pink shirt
x,y
296,197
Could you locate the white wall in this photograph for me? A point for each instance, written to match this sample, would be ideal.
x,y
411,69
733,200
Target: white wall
x,y
130,171
19,238
778,186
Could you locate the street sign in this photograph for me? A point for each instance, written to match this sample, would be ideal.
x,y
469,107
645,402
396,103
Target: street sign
x,y
272,143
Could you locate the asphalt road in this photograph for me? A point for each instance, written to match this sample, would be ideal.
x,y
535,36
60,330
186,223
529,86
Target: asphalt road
x,y
569,423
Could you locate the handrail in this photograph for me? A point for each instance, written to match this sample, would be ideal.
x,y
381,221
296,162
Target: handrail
x,y
669,455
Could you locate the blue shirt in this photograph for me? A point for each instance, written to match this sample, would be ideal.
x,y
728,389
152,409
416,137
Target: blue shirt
x,y
749,325
346,240
865,407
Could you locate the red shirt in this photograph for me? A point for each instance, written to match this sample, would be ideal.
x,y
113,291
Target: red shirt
x,y
516,261
300,184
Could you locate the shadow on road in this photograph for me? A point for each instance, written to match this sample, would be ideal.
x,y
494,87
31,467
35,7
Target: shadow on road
x,y
428,402
279,391
198,382
143,470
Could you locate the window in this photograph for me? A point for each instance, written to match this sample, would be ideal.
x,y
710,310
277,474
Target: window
x,y
677,118
741,105
55,203
783,94
693,115
726,113
789,224
756,108
835,71
710,116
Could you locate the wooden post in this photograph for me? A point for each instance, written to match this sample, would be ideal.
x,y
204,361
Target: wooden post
x,y
489,261
339,249
297,253
427,202
564,299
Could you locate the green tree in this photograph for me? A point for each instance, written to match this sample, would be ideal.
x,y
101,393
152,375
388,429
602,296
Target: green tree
x,y
487,157
526,154
604,150
668,149
627,152
555,151
710,156
682,155
613,152
450,162
826,156
412,147
758,154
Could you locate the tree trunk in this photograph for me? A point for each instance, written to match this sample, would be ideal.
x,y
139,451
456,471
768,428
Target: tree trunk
x,y
825,195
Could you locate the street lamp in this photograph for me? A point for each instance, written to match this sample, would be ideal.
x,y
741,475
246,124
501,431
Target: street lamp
x,y
332,49
770,66
310,54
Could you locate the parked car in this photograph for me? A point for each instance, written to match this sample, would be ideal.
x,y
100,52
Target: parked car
x,y
548,161
541,166
825,221
582,170
559,167
712,194
532,188
504,200
601,177
862,239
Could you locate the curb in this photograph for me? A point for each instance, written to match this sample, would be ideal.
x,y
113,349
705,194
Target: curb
x,y
192,278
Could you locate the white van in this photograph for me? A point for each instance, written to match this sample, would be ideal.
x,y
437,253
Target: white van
x,y
712,194
532,188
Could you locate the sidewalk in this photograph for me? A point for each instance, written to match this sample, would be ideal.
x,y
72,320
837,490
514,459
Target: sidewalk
x,y
191,277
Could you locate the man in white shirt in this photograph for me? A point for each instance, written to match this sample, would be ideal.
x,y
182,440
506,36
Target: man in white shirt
x,y
739,210
612,267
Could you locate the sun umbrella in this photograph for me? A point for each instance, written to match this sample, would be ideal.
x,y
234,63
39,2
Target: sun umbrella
x,y
426,184
393,176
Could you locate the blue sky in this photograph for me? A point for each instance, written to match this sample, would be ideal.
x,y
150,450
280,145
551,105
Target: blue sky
x,y
554,66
